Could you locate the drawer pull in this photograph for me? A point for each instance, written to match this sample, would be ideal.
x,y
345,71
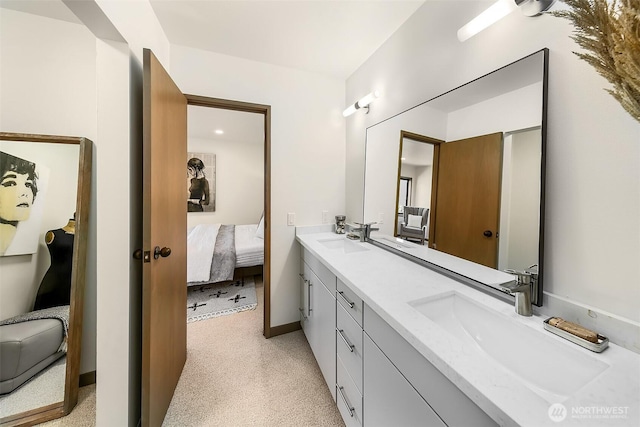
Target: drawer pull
x,y
309,296
351,304
304,316
351,346
344,399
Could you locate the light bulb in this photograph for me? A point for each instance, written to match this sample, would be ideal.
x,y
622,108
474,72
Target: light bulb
x,y
368,99
494,13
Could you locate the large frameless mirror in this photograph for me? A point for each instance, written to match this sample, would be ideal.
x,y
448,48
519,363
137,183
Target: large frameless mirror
x,y
458,180
45,185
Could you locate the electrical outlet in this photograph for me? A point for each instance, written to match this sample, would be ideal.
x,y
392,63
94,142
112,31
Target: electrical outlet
x,y
381,218
291,218
325,217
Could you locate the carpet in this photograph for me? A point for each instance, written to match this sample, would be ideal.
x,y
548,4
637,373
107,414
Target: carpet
x,y
215,300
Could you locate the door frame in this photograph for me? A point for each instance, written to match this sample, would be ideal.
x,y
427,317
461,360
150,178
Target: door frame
x,y
265,110
404,134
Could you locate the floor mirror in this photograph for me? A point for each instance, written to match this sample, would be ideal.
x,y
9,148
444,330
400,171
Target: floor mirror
x,y
45,195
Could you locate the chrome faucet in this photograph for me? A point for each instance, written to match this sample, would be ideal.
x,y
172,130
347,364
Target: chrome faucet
x,y
365,230
522,291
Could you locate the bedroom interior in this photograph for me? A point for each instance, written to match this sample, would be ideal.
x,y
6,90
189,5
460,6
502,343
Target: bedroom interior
x,y
225,245
64,76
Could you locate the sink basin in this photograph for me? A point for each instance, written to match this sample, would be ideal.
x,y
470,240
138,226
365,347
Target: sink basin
x,y
550,369
341,243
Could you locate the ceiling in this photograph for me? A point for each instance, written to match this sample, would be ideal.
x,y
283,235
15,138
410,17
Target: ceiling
x,y
238,126
328,37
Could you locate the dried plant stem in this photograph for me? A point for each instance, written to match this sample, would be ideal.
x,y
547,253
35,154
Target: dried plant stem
x,y
610,33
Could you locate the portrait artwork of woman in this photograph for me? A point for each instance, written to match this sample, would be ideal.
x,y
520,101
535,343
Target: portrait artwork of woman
x,y
199,195
18,190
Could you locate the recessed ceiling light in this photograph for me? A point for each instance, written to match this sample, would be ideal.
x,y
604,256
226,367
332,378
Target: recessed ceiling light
x,y
219,131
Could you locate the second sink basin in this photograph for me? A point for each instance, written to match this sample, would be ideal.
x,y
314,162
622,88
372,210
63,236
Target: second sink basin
x,y
553,371
341,243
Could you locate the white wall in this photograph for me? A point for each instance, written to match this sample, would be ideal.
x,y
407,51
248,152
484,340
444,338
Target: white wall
x,y
48,86
519,202
422,185
239,182
307,149
593,158
381,163
515,110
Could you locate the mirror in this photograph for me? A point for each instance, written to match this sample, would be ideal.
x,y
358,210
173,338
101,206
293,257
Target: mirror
x,y
45,192
458,181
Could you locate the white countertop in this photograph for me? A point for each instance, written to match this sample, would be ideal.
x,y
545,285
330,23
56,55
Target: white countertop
x,y
387,283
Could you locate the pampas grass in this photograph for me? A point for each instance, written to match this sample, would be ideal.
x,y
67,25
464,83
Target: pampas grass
x,y
610,33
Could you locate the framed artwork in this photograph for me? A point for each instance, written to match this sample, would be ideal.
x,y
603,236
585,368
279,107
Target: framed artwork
x,y
201,182
23,189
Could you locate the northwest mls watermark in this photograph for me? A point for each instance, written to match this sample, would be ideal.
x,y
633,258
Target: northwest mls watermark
x,y
558,412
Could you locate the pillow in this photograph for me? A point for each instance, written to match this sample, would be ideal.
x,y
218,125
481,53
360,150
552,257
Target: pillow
x,y
260,229
414,221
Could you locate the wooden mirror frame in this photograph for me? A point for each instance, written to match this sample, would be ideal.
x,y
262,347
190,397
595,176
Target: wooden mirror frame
x,y
76,306
434,175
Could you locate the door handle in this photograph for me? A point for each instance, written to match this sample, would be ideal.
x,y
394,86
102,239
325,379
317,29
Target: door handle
x,y
487,233
164,252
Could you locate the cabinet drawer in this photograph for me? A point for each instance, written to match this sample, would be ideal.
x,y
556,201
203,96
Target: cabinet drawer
x,y
349,345
447,400
326,276
389,398
348,398
350,301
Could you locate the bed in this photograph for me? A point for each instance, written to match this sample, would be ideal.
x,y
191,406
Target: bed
x,y
221,252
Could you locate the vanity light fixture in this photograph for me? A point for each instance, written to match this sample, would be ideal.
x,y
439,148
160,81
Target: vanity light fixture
x,y
499,10
361,103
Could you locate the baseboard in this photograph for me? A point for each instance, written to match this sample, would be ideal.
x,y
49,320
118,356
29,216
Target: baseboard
x,y
87,378
284,329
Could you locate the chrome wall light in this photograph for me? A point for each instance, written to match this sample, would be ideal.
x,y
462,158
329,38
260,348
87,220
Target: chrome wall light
x,y
361,103
499,10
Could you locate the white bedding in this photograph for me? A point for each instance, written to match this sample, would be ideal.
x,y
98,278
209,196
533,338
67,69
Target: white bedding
x,y
201,241
249,248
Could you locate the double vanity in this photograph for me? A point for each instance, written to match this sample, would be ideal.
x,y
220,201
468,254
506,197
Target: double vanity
x,y
402,344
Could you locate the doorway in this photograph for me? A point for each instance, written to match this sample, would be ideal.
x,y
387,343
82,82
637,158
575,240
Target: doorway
x,y
265,111
416,195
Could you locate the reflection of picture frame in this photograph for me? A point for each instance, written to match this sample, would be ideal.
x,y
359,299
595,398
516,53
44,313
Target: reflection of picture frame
x,y
201,182
23,189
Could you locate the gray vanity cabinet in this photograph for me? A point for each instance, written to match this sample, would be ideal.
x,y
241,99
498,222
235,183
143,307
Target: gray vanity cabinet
x,y
348,336
389,399
375,376
318,315
436,393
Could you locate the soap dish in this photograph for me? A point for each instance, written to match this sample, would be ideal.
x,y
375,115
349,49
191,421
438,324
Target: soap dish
x,y
603,342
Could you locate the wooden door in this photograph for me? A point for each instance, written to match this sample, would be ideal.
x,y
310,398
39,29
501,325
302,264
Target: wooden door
x,y
468,192
164,276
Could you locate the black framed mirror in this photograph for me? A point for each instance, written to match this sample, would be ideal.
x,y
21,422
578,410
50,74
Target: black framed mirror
x,y
45,197
470,228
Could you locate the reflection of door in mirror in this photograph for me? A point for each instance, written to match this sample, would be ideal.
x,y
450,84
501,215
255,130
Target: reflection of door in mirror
x,y
467,215
417,169
41,295
509,100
